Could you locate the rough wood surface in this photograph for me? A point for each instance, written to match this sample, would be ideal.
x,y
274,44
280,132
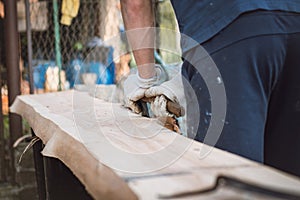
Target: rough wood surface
x,y
105,145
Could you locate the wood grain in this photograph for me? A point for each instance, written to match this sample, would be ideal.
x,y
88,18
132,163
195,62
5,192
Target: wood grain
x,y
105,145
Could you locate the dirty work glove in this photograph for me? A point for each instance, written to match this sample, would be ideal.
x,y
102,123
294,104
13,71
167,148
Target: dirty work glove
x,y
135,87
171,90
159,107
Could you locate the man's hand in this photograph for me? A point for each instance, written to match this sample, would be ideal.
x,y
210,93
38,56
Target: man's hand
x,y
171,90
132,93
135,87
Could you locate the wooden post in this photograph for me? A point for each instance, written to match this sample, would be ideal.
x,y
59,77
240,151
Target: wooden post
x,y
2,142
13,71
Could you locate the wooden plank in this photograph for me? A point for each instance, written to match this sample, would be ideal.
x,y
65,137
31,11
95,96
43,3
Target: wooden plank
x,y
100,181
204,178
151,158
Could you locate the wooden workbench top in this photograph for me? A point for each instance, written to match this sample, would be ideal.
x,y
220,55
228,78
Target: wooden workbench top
x,y
118,154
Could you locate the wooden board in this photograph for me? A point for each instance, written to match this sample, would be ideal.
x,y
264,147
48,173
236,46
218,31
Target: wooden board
x,y
97,140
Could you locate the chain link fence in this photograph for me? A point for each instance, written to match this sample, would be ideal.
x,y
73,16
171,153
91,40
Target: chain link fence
x,y
63,32
63,36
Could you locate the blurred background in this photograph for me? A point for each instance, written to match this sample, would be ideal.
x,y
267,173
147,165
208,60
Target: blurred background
x,y
54,39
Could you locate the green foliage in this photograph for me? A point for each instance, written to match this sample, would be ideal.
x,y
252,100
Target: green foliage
x,y
26,127
6,127
167,20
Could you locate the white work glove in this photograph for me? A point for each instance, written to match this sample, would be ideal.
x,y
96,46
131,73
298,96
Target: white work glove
x,y
135,88
172,89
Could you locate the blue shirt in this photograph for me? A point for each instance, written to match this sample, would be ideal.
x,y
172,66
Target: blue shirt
x,y
202,19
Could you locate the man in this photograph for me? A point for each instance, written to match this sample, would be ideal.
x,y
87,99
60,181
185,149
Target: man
x,y
255,45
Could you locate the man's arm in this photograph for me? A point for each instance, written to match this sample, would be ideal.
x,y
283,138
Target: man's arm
x,y
138,14
139,23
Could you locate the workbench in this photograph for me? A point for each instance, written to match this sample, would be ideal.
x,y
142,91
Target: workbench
x,y
116,154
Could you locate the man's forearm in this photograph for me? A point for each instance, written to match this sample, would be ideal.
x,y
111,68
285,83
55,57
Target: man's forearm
x,y
138,16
